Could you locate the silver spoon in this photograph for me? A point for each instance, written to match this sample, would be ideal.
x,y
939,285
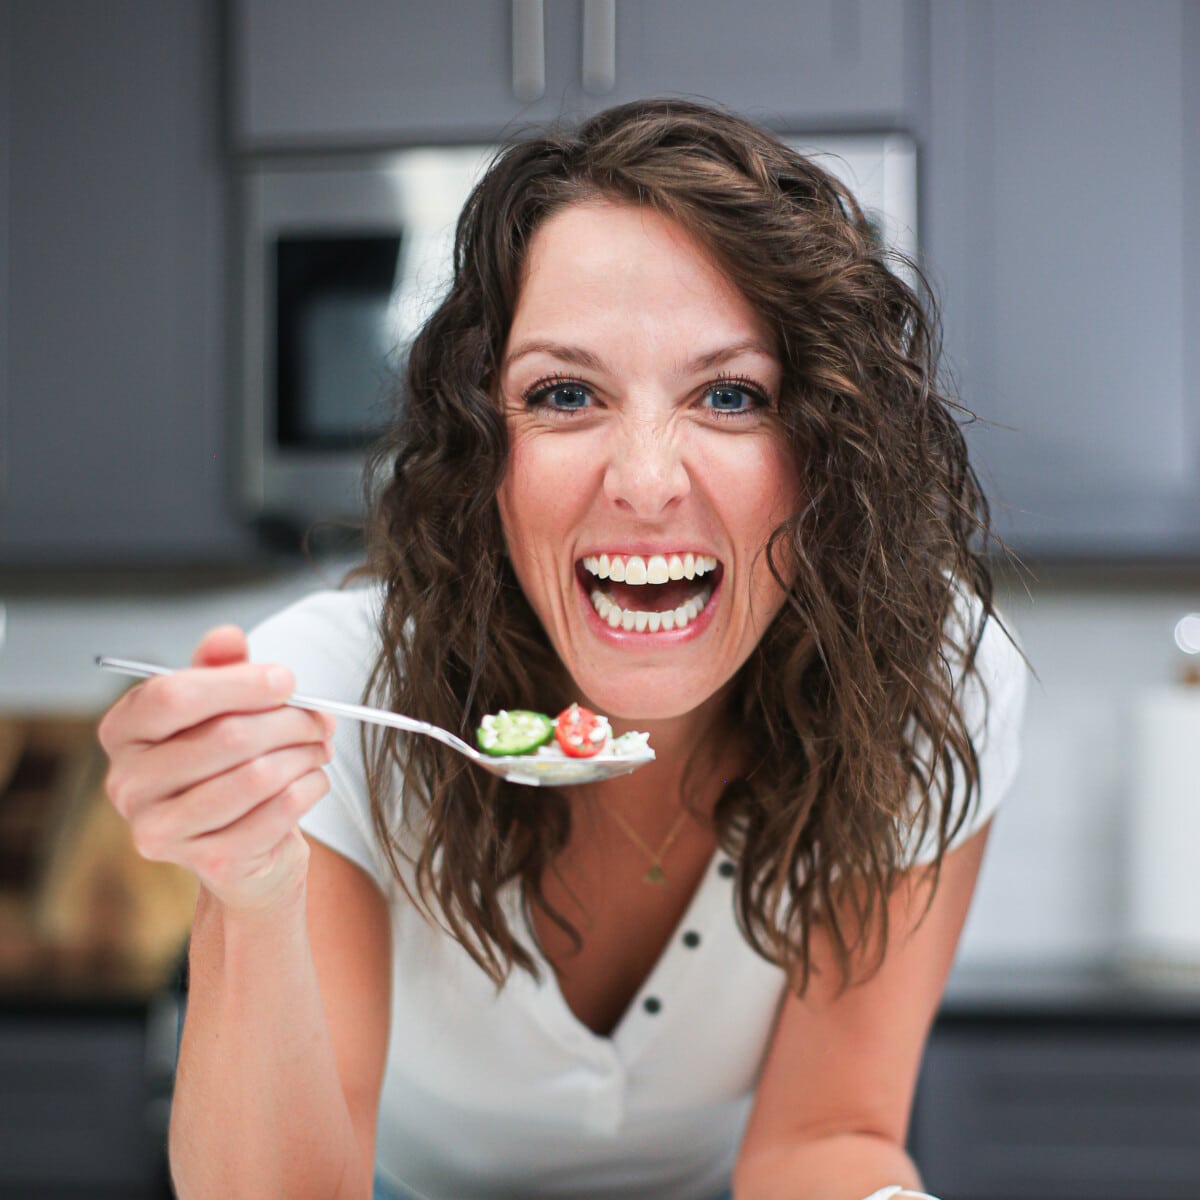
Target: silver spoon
x,y
530,769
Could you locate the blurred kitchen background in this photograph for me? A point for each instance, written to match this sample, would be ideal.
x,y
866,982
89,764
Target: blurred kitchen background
x,y
168,166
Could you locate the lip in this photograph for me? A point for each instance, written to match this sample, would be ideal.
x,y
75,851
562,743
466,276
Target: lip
x,y
628,638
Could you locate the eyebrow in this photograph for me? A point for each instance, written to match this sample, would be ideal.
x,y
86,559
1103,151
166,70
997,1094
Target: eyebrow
x,y
579,357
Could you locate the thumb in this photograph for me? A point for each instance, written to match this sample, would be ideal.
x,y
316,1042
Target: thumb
x,y
220,647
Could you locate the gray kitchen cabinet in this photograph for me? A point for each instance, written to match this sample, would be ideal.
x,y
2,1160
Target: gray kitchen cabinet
x,y
81,1113
794,65
322,74
5,36
1060,1104
316,74
1062,177
114,448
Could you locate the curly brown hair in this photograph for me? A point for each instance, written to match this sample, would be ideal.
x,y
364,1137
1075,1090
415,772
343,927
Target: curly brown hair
x,y
852,699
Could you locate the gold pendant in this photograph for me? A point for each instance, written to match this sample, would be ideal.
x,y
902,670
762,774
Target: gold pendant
x,y
655,875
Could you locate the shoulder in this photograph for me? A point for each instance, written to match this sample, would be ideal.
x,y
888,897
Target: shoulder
x,y
992,690
329,639
989,692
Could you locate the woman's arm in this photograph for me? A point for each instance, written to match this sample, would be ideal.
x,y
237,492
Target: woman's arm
x,y
832,1108
287,1015
283,1048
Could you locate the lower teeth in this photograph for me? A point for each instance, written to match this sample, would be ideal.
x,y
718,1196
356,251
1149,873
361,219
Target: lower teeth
x,y
648,622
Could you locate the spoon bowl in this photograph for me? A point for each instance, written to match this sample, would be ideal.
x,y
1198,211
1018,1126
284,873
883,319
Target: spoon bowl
x,y
533,770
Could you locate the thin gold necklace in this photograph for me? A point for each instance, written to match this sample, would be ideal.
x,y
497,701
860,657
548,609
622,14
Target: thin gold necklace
x,y
655,874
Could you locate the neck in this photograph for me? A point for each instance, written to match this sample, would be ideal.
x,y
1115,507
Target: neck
x,y
703,740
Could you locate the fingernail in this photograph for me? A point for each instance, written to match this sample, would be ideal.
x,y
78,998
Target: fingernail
x,y
279,679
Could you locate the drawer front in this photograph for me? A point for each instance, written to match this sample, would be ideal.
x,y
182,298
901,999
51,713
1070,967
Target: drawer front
x,y
73,1106
1060,1113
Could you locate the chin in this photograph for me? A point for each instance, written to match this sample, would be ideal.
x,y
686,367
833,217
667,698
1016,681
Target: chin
x,y
643,698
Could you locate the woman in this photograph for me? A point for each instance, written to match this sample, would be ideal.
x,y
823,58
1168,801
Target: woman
x,y
671,347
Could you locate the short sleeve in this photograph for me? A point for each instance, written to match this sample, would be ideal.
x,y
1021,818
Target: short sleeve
x,y
330,641
993,707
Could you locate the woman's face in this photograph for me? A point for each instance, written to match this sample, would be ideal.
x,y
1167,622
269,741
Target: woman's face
x,y
646,469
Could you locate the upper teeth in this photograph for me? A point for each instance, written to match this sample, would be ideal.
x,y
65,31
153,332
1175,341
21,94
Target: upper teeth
x,y
658,568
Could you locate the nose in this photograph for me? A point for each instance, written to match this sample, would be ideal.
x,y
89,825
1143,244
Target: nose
x,y
645,473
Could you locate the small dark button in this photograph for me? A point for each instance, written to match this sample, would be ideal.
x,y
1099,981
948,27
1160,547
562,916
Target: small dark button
x,y
691,939
727,869
652,1004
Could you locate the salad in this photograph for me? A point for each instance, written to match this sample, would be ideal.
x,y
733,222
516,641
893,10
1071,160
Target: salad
x,y
576,732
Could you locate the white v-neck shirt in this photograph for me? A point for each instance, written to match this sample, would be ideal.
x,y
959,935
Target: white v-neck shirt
x,y
492,1094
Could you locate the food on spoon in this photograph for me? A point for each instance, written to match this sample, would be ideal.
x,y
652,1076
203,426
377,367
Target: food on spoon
x,y
580,732
576,732
516,731
633,744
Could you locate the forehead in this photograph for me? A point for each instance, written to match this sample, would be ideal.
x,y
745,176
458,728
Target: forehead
x,y
603,256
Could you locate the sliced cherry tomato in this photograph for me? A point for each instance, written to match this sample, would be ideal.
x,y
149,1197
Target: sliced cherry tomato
x,y
580,732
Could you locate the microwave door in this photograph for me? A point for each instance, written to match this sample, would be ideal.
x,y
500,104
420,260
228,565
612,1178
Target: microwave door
x,y
336,348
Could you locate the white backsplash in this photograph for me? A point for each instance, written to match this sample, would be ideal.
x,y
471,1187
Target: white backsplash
x,y
1051,891
47,662
1052,882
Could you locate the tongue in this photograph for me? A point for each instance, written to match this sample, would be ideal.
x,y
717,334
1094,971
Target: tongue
x,y
651,597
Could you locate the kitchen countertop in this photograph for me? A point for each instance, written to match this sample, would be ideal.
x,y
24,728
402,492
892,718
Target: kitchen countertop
x,y
1080,991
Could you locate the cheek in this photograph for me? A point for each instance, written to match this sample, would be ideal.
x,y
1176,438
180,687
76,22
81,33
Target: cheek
x,y
776,497
760,487
538,499
782,470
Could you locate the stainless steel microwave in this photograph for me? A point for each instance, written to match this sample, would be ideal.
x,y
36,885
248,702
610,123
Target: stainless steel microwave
x,y
342,260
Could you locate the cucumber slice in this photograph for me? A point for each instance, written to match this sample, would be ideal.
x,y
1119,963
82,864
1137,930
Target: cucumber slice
x,y
515,731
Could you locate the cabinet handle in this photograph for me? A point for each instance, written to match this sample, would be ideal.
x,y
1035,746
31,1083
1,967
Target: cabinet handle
x,y
599,46
529,49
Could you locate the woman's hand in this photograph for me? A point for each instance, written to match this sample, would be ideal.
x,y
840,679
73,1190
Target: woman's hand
x,y
212,771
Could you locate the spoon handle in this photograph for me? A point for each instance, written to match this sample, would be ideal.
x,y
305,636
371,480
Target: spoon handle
x,y
339,708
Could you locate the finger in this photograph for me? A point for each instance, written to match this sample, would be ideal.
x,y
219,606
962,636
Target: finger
x,y
227,854
163,825
221,646
164,706
226,742
145,775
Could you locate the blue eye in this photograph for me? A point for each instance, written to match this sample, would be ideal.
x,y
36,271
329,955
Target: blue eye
x,y
557,396
728,399
734,398
566,397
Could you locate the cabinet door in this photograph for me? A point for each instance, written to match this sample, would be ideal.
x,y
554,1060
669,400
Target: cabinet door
x,y
323,73
115,445
1060,1110
73,1108
315,73
1062,182
803,65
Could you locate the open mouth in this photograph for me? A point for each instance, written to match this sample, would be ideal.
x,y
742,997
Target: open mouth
x,y
649,594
